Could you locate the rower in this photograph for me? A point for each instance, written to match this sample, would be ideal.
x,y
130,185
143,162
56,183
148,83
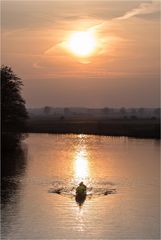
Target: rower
x,y
81,189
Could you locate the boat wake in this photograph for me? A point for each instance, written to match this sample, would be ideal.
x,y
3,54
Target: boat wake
x,y
95,189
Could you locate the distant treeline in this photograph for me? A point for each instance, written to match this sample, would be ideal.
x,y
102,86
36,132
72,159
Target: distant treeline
x,y
95,113
139,128
132,122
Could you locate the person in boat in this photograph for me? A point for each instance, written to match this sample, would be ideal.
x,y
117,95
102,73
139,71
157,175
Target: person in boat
x,y
81,194
81,189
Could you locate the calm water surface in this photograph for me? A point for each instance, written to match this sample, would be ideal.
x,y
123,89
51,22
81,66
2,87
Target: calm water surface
x,y
30,209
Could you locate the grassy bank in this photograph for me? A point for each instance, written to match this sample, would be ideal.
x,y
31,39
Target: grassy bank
x,y
140,128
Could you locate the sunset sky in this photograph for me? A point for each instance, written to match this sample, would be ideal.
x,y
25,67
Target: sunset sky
x,y
84,53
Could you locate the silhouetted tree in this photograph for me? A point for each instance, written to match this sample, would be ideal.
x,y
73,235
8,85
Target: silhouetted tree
x,y
47,110
13,108
106,110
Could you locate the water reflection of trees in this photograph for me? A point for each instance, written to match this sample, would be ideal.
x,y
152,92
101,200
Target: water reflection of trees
x,y
13,166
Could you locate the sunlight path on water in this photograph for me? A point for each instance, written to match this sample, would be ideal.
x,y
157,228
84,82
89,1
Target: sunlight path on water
x,y
131,166
81,161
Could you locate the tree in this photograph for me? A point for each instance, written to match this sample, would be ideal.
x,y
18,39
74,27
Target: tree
x,y
106,110
47,110
14,113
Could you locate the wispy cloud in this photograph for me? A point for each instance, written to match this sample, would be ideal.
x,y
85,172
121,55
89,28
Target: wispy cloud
x,y
144,8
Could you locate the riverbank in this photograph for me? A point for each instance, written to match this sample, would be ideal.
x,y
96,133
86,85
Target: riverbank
x,y
138,128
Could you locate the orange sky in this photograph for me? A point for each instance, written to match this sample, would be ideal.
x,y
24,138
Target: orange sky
x,y
122,71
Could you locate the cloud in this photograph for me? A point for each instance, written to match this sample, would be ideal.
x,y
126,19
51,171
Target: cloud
x,y
143,9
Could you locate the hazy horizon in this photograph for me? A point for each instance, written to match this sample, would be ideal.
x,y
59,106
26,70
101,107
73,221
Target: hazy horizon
x,y
86,107
122,70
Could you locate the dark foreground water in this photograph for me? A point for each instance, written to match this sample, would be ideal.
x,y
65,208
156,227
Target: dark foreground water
x,y
123,180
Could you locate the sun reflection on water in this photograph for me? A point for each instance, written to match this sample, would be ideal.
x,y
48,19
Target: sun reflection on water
x,y
81,161
81,164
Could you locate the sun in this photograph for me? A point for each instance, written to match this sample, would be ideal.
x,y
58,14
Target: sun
x,y
82,44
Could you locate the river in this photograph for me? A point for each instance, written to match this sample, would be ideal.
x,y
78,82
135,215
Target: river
x,y
123,179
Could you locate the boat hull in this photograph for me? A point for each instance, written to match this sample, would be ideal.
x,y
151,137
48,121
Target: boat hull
x,y
80,198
